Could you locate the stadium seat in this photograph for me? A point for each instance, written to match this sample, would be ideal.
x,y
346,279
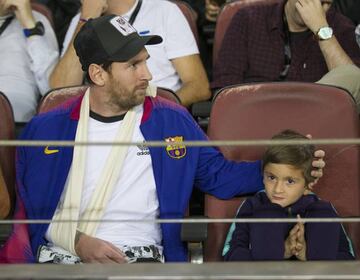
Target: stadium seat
x,y
190,16
7,153
43,9
7,156
56,97
258,111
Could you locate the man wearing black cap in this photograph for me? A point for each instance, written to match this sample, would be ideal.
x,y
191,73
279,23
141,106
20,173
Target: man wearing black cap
x,y
175,64
118,183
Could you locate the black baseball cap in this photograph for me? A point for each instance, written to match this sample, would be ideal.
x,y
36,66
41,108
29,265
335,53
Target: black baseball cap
x,y
109,38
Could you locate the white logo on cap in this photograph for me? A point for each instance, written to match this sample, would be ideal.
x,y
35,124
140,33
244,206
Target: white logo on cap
x,y
122,25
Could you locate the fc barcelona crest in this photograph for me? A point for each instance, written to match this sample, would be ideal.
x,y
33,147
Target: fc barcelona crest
x,y
175,151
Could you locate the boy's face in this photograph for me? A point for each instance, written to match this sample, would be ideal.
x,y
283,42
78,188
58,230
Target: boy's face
x,y
284,184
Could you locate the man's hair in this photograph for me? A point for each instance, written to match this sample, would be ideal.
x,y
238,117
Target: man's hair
x,y
300,156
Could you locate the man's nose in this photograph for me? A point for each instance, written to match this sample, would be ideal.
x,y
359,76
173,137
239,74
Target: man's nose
x,y
145,73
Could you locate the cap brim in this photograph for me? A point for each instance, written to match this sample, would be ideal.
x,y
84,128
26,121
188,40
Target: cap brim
x,y
134,47
151,39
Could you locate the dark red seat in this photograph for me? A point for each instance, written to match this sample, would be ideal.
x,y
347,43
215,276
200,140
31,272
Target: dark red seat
x,y
59,96
7,153
258,111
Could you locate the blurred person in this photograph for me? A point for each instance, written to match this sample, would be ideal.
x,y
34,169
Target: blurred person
x,y
175,64
285,40
28,53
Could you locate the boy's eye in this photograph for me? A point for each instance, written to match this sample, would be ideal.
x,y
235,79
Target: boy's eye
x,y
271,177
290,181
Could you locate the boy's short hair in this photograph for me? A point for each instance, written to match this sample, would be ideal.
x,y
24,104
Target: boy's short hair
x,y
299,156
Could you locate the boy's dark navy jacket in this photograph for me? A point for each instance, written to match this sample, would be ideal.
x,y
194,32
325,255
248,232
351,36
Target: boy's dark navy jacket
x,y
265,241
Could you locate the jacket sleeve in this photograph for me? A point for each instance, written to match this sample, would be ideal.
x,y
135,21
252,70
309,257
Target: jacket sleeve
x,y
240,241
325,241
258,241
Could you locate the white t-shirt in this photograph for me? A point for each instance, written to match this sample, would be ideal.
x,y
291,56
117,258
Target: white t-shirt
x,y
158,17
26,64
134,196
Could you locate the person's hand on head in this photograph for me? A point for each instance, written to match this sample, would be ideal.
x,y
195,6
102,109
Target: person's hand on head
x,y
94,250
22,10
93,8
313,13
318,164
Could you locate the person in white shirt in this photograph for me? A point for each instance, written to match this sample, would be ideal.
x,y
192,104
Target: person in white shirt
x,y
28,53
175,63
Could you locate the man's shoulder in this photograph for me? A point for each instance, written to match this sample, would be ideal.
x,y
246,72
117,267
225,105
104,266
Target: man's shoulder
x,y
260,7
54,120
166,106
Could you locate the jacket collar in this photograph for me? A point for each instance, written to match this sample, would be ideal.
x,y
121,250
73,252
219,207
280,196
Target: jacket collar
x,y
75,111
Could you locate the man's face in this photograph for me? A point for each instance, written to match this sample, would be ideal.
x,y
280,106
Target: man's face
x,y
126,82
284,184
294,14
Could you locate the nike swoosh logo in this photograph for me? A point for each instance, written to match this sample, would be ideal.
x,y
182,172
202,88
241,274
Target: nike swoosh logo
x,y
47,151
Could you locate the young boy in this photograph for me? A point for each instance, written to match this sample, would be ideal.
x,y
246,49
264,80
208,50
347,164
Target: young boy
x,y
286,175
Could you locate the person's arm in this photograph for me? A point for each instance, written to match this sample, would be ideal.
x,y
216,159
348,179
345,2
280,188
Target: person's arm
x,y
322,239
4,197
68,71
313,15
195,85
95,250
258,241
238,247
42,49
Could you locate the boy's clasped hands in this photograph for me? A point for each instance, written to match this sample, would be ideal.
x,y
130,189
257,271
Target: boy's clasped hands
x,y
295,243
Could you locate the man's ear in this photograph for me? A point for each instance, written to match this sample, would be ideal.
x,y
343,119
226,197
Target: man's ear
x,y
96,74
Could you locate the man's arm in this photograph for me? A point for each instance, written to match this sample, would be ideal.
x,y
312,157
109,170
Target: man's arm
x,y
68,71
95,250
42,49
313,15
195,84
4,197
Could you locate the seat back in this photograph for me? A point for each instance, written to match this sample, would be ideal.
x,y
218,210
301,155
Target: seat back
x,y
7,153
258,111
59,96
44,10
190,16
223,21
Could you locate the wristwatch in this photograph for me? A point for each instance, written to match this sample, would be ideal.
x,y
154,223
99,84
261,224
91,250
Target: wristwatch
x,y
324,33
37,30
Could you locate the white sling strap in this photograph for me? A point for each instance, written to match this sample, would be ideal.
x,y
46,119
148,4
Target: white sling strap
x,y
63,233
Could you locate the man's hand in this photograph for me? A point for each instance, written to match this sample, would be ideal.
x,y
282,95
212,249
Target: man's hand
x,y
22,10
313,13
93,8
95,250
318,164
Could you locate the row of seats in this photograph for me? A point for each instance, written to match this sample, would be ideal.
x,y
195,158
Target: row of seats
x,y
257,111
